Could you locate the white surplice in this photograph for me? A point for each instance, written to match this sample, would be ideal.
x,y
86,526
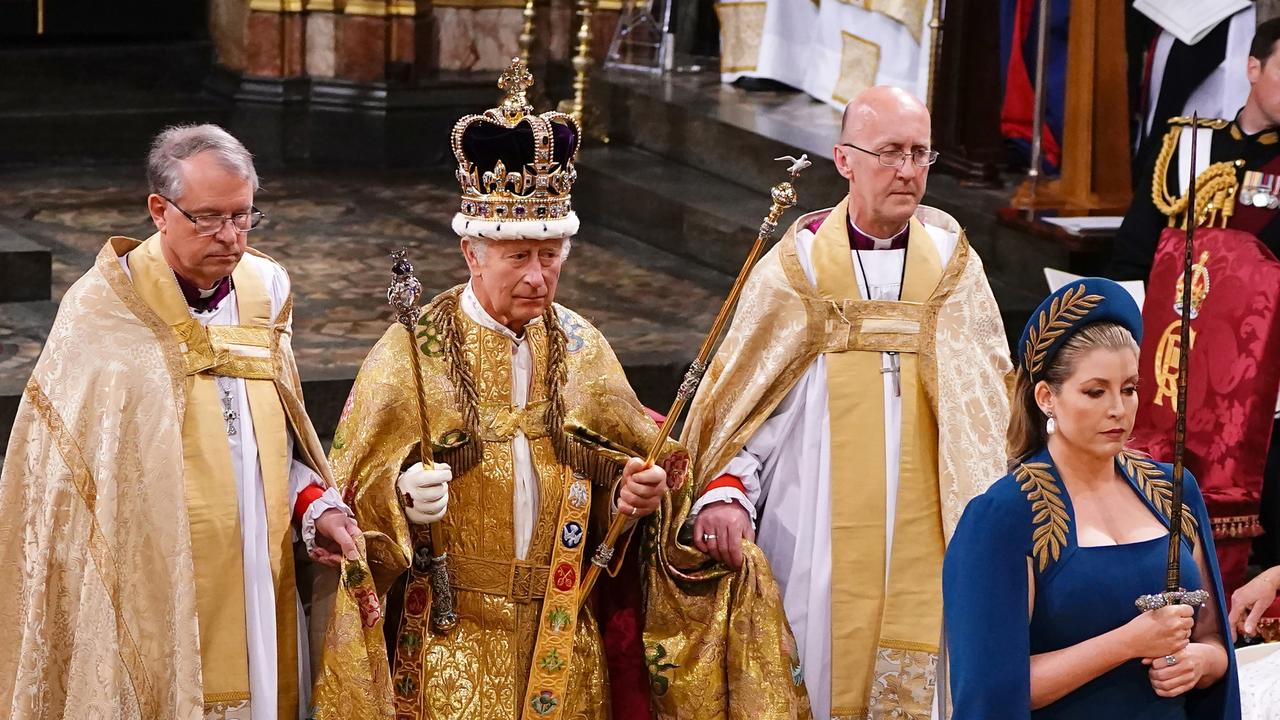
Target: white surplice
x,y
1221,94
786,470
259,587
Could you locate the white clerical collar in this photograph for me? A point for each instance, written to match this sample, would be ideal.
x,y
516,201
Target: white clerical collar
x,y
878,243
474,310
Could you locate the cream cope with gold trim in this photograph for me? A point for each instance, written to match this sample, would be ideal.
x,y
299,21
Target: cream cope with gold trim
x,y
954,363
118,489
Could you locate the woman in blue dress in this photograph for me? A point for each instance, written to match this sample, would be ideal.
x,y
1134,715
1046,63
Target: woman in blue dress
x,y
1041,576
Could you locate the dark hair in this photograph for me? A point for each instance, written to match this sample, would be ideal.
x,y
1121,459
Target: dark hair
x,y
1264,40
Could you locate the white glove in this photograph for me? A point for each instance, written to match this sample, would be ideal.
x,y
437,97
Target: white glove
x,y
425,493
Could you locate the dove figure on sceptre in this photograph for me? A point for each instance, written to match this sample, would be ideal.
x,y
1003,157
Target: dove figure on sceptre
x,y
797,164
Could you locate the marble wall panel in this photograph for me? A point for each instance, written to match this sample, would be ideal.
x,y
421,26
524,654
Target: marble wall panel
x,y
264,45
228,28
361,48
275,45
477,39
321,45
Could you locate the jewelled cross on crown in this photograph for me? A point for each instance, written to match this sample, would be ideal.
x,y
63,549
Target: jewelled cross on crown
x,y
515,80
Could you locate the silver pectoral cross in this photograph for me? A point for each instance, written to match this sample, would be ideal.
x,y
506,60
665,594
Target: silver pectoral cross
x,y
229,416
896,369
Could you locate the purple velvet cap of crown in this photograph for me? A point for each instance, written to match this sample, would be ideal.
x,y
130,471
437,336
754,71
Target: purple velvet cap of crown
x,y
484,143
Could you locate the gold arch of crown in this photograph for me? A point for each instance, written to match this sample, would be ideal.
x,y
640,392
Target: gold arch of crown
x,y
538,191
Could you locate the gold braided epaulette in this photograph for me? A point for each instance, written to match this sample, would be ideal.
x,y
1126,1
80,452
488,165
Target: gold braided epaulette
x,y
1216,185
1211,123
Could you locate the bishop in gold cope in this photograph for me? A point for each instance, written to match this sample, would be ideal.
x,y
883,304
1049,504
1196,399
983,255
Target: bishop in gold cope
x,y
856,404
160,464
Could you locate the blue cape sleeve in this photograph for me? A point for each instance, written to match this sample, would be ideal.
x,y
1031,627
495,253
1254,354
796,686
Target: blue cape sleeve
x,y
1220,701
984,590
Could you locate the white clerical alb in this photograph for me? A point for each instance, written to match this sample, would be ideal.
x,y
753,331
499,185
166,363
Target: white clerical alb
x,y
786,470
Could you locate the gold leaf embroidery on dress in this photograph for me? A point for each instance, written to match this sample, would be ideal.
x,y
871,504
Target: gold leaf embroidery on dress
x,y
1073,305
1050,518
1156,487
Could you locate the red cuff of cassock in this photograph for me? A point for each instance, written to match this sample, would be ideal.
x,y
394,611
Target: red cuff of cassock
x,y
308,495
726,480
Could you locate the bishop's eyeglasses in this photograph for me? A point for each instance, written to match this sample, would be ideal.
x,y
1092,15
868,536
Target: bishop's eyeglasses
x,y
921,157
212,224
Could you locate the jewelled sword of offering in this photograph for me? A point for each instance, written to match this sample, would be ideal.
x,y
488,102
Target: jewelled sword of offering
x,y
1174,594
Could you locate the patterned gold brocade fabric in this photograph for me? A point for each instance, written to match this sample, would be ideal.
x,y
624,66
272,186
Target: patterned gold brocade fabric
x,y
716,643
354,682
783,323
480,668
102,620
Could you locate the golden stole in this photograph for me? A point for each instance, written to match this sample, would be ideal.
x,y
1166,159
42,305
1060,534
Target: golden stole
x,y
883,634
249,351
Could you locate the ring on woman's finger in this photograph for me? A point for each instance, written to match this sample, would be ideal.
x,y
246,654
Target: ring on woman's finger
x,y
1170,660
708,537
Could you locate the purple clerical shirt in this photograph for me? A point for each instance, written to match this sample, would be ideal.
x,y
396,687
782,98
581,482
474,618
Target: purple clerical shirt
x,y
859,240
195,297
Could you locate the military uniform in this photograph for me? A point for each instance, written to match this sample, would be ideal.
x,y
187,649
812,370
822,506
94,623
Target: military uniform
x,y
1135,242
1238,188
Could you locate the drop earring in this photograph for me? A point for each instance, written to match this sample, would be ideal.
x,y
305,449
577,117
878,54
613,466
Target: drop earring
x,y
1050,427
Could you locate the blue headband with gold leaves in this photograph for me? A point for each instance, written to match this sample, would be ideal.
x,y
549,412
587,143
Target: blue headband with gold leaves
x,y
1068,309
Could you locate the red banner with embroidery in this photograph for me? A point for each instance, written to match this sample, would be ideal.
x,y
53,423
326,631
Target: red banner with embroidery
x,y
1234,373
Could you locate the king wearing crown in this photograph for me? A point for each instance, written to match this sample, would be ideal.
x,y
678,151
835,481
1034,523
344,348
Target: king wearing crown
x,y
509,455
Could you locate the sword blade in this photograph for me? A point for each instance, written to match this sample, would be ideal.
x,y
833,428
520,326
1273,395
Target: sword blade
x,y
1173,577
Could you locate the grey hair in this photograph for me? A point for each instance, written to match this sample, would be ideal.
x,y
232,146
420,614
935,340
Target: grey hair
x,y
480,246
180,142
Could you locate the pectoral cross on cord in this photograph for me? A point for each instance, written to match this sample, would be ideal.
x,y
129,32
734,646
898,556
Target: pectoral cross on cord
x,y
895,365
896,369
229,416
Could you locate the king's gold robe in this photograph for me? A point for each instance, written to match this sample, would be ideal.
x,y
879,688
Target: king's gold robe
x,y
119,520
582,418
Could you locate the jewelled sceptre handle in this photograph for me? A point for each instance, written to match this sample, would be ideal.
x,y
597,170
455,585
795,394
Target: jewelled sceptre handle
x,y
784,196
403,295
